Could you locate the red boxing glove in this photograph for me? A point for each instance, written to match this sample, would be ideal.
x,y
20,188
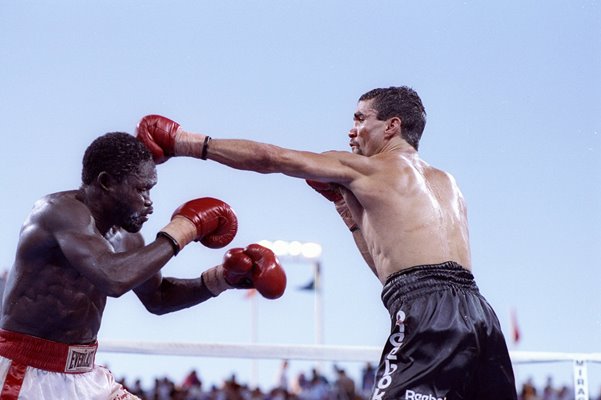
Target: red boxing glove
x,y
328,190
158,135
268,275
331,192
237,268
208,220
253,267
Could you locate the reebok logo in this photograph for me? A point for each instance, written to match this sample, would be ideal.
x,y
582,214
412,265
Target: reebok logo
x,y
412,395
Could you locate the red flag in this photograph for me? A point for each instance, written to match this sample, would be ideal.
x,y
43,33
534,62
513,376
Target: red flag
x,y
515,329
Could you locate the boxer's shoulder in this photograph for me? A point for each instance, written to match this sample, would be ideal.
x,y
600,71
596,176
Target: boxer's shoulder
x,y
53,202
58,210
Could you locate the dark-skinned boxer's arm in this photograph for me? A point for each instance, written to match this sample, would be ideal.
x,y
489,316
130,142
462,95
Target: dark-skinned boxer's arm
x,y
162,295
115,273
252,267
208,220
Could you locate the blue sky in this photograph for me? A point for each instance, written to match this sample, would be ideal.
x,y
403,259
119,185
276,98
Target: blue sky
x,y
512,90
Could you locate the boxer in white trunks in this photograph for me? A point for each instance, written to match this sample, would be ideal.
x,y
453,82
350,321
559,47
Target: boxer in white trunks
x,y
78,247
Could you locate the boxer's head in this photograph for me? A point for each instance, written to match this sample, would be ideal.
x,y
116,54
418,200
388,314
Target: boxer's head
x,y
404,103
122,172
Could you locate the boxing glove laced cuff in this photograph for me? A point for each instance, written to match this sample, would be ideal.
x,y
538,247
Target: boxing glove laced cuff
x,y
205,148
180,231
190,144
214,280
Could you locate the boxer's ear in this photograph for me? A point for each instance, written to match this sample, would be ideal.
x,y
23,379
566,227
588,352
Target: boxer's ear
x,y
105,180
393,127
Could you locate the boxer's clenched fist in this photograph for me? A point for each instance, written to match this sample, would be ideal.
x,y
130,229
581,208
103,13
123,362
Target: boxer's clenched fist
x,y
158,134
207,220
331,191
328,190
252,267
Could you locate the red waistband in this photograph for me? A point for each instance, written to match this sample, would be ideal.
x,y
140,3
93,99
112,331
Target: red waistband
x,y
46,354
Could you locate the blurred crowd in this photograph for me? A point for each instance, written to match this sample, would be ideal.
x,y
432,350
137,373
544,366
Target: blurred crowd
x,y
309,386
306,386
528,391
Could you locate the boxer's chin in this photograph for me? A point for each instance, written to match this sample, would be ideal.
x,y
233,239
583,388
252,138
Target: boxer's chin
x,y
134,224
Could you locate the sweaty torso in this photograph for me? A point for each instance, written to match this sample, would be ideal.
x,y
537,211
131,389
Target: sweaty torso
x,y
410,214
45,296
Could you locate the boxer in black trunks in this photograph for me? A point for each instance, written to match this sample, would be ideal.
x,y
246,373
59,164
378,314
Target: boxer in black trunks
x,y
445,339
403,213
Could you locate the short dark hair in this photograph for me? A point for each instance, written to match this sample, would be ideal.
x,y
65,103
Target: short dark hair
x,y
117,153
402,102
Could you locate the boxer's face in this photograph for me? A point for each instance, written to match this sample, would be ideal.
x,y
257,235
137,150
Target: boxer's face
x,y
133,204
367,129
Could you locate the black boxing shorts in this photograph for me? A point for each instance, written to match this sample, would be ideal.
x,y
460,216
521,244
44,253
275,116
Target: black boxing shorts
x,y
445,342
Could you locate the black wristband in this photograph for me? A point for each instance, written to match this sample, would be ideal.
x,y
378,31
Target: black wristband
x,y
205,148
354,228
171,240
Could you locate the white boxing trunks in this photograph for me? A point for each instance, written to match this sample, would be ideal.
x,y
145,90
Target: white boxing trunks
x,y
32,368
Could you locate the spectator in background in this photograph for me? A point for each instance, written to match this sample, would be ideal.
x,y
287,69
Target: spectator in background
x,y
191,379
137,390
232,389
316,376
282,376
192,386
257,394
163,389
299,384
565,393
344,386
528,391
317,387
215,393
368,376
549,392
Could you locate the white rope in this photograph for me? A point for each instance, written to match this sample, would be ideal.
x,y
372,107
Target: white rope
x,y
243,350
301,352
540,356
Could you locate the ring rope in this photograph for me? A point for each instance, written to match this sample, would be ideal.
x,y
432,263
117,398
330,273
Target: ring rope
x,y
301,352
